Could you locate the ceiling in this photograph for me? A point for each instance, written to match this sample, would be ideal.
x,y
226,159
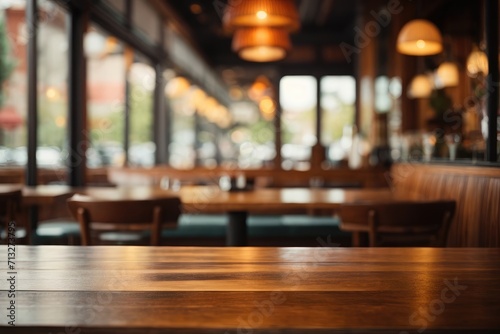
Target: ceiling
x,y
325,24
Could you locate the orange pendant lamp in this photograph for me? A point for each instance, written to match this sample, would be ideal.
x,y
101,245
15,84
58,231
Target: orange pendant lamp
x,y
262,13
261,44
420,38
477,63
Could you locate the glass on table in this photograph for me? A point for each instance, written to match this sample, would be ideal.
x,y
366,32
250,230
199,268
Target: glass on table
x,y
452,140
176,185
225,183
165,182
428,143
170,184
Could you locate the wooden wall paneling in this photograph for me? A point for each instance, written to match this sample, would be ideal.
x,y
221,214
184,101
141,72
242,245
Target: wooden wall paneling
x,y
454,188
367,71
475,189
471,213
491,232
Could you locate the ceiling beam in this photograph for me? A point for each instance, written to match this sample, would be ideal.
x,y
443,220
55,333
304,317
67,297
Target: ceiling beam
x,y
324,12
308,10
319,66
173,19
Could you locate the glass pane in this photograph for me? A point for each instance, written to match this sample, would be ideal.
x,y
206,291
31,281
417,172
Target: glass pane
x,y
207,149
253,138
52,87
13,39
255,144
338,98
141,79
298,99
106,98
183,126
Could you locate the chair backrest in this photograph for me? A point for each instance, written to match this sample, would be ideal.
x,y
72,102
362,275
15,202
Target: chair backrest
x,y
130,215
404,217
10,202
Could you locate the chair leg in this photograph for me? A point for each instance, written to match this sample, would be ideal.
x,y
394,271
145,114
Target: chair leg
x,y
355,239
372,234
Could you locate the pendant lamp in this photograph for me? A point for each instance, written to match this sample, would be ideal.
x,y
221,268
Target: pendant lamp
x,y
477,63
259,13
420,87
447,75
419,38
261,44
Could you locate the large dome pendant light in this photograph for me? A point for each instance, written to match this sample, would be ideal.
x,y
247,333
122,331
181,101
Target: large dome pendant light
x,y
419,38
261,44
262,13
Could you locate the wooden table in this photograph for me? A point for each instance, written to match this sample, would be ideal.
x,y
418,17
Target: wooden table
x,y
46,194
40,195
210,199
70,289
35,197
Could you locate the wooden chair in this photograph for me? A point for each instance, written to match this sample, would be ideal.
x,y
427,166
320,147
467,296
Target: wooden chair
x,y
10,202
403,223
124,215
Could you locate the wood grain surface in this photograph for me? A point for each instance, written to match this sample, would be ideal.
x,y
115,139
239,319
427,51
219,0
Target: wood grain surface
x,y
68,289
365,177
476,191
208,199
40,195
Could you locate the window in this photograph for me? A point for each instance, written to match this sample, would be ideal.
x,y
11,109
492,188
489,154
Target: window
x,y
298,99
52,86
14,35
106,98
142,79
184,122
253,134
338,98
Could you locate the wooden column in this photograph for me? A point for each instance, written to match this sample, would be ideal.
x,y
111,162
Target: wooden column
x,y
404,67
126,119
31,166
129,60
491,17
77,115
318,109
167,121
159,117
277,125
197,140
318,154
161,111
32,24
